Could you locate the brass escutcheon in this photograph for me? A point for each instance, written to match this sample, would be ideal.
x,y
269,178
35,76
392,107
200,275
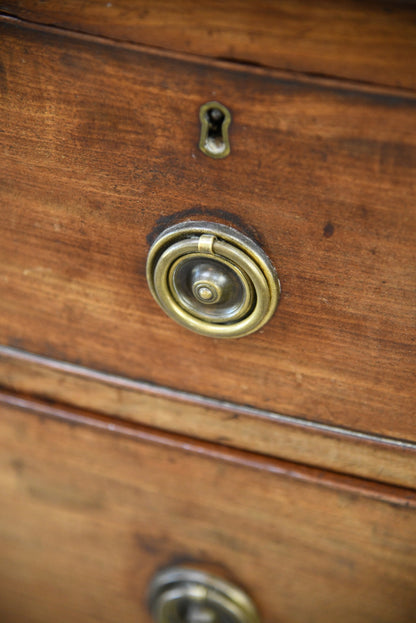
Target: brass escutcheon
x,y
212,279
183,595
215,119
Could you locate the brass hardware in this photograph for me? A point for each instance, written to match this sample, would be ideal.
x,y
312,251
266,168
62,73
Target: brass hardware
x,y
215,119
182,595
212,279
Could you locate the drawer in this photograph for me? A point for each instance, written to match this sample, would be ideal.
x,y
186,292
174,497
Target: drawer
x,y
93,508
366,41
100,154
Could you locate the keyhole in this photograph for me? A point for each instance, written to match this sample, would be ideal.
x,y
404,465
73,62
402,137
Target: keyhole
x,y
215,119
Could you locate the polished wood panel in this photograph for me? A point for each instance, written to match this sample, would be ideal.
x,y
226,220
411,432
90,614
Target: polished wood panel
x,y
91,509
355,39
99,153
381,459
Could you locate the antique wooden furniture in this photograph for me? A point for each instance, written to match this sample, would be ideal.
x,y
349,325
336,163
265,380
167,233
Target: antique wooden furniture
x,y
283,461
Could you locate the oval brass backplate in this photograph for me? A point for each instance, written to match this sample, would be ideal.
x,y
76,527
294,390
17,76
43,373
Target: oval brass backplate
x,y
183,595
212,279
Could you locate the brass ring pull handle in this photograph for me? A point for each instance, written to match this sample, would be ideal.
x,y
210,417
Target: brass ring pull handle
x,y
182,595
212,279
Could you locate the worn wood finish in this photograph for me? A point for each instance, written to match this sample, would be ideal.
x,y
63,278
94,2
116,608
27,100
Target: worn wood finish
x,y
84,527
380,459
99,153
355,39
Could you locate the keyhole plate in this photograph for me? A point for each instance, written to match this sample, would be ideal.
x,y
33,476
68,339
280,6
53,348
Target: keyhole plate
x,y
215,119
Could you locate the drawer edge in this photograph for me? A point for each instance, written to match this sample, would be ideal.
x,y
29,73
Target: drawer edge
x,y
352,452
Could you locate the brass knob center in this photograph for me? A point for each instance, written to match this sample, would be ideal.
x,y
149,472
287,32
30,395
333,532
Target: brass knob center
x,y
198,613
206,292
210,288
208,284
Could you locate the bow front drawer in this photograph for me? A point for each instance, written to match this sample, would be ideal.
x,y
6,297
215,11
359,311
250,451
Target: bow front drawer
x,y
100,155
93,509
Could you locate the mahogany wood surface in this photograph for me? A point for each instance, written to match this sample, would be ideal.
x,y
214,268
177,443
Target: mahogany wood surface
x,y
91,508
365,40
381,459
99,154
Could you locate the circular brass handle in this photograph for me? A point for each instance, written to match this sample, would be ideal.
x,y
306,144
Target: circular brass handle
x,y
182,595
212,279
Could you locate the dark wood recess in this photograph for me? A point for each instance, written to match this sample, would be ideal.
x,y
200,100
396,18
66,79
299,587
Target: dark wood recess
x,y
90,510
99,153
364,40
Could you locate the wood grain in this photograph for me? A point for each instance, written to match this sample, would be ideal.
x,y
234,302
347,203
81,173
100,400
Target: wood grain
x,y
354,39
336,449
89,515
99,153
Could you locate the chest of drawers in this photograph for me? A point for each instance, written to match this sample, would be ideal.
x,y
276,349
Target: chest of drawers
x,y
284,460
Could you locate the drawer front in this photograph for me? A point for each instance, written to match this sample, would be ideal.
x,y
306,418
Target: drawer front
x,y
366,41
100,154
92,509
